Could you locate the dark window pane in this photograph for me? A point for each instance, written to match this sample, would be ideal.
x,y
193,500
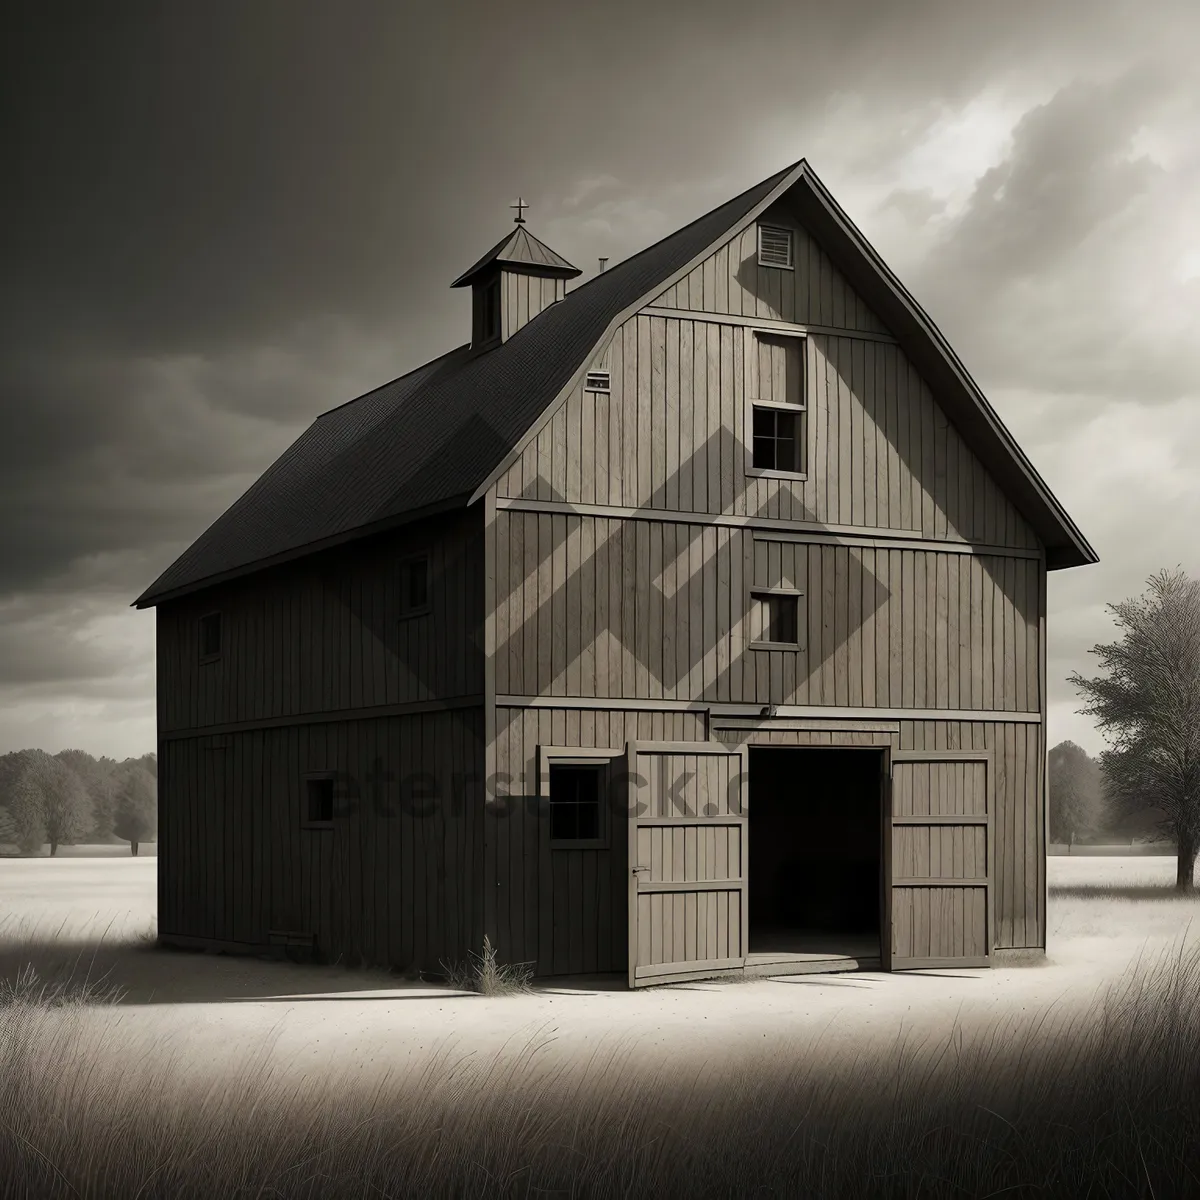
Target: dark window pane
x,y
574,802
764,423
210,634
320,799
784,619
414,585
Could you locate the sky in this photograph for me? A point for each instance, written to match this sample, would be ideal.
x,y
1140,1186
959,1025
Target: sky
x,y
221,220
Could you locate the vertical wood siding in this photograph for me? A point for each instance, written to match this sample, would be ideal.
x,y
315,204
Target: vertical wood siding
x,y
564,910
731,281
670,435
325,635
596,606
553,915
523,296
395,882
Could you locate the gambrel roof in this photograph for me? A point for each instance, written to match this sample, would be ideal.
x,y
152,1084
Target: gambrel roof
x,y
434,438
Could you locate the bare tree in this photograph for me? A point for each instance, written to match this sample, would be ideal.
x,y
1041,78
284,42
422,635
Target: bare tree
x,y
137,804
49,803
1148,704
1076,800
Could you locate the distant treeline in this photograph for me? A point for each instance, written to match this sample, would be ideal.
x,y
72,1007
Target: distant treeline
x,y
1082,808
71,797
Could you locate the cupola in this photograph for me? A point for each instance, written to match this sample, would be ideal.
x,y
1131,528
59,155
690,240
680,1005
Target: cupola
x,y
513,282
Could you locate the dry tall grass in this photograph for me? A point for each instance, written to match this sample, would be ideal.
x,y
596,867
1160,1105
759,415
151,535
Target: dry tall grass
x,y
1051,1103
1106,1106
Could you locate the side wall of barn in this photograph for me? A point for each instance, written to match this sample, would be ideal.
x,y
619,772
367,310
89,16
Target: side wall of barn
x,y
319,670
394,881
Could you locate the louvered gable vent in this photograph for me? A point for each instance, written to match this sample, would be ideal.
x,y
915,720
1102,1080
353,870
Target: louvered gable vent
x,y
774,246
597,381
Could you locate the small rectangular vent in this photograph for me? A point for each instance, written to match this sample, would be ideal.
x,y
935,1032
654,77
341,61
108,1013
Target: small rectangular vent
x,y
597,381
774,246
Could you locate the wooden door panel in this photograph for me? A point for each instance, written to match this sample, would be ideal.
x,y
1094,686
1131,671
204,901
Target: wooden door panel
x,y
938,860
687,858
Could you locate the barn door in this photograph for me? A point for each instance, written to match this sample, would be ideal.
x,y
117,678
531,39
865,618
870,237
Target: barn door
x,y
687,857
938,857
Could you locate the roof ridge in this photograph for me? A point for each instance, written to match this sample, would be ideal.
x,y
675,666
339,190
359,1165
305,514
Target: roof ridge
x,y
683,228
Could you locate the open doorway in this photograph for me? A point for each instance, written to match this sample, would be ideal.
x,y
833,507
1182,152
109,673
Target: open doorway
x,y
815,839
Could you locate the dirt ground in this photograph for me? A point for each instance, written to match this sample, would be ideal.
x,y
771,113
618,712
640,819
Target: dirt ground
x,y
209,1009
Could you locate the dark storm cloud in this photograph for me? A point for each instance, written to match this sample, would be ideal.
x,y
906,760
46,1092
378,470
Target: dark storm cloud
x,y
218,221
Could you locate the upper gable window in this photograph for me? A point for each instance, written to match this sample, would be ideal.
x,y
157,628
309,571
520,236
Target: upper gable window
x,y
778,417
597,381
774,246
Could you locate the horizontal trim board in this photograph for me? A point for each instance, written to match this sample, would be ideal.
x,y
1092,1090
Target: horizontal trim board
x,y
816,966
735,724
616,704
702,885
766,323
704,822
983,756
976,882
411,708
941,819
186,941
917,964
773,528
660,970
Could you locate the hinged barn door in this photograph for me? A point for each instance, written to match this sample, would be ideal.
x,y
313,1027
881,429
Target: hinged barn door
x,y
687,857
938,860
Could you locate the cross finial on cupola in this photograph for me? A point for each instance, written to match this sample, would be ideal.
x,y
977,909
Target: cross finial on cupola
x,y
515,280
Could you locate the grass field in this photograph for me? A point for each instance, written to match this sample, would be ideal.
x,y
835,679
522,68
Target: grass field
x,y
207,1075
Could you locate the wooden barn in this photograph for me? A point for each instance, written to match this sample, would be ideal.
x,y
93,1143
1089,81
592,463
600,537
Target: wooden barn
x,y
689,621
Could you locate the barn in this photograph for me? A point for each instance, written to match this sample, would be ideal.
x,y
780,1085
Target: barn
x,y
686,621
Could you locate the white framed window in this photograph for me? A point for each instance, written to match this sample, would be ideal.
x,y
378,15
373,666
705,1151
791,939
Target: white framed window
x,y
776,424
597,381
775,247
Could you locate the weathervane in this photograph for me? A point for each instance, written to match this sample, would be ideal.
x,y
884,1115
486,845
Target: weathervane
x,y
520,206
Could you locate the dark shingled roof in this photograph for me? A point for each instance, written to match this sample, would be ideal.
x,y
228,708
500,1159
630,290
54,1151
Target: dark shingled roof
x,y
430,437
520,248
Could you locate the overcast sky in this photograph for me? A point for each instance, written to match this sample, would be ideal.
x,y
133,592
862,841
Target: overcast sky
x,y
218,224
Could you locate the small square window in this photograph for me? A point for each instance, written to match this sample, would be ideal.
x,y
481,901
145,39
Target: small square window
x,y
210,635
777,439
319,807
597,381
574,803
779,618
774,246
414,586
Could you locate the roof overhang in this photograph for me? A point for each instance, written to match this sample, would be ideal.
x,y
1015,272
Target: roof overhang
x,y
150,598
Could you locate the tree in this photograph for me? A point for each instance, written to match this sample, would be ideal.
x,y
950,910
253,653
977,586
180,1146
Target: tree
x,y
1148,704
49,803
1076,801
137,804
97,777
